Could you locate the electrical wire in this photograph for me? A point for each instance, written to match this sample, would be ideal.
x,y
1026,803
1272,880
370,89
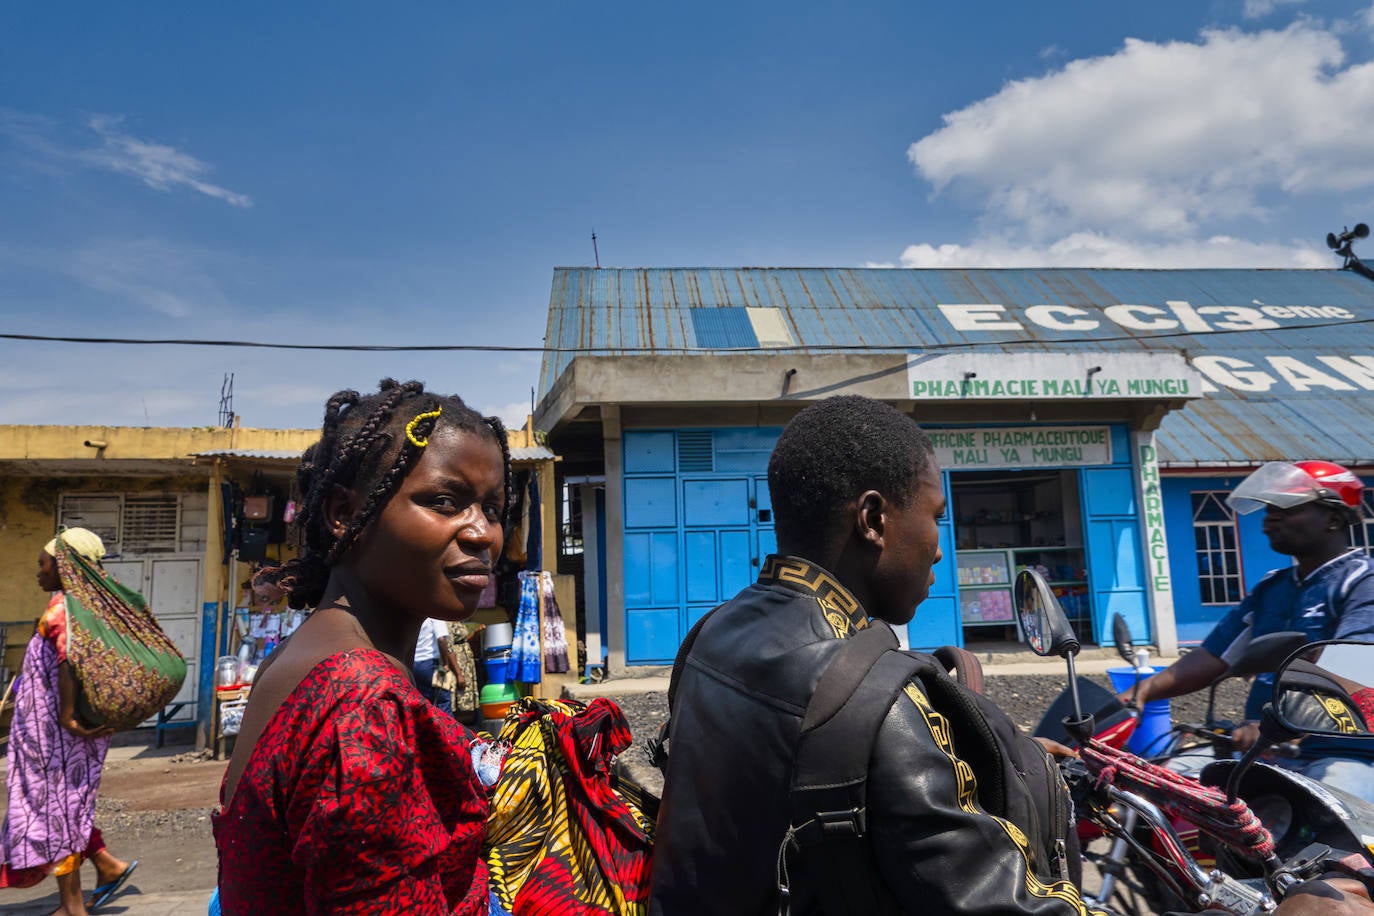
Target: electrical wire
x,y
621,351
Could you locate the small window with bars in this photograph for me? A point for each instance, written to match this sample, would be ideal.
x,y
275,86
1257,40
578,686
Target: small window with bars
x,y
1217,545
1362,535
140,523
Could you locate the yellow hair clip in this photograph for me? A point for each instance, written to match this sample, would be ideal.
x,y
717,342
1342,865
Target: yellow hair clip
x,y
410,427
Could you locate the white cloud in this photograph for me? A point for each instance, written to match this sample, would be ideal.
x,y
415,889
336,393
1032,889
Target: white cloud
x,y
166,278
1160,139
512,414
1256,9
155,164
1090,249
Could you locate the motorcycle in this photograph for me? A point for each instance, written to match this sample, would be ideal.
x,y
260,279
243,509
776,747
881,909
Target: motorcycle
x,y
1138,804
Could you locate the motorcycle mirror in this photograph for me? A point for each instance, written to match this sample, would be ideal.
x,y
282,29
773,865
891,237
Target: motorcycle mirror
x,y
1319,690
1121,635
1265,653
1043,621
1048,632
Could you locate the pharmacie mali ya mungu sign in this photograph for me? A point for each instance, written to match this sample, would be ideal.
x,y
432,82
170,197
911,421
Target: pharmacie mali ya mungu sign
x,y
1021,447
1042,376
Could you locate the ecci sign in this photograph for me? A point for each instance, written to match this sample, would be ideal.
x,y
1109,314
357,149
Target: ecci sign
x,y
1174,315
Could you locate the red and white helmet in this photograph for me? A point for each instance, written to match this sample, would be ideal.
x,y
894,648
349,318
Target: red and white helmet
x,y
1285,485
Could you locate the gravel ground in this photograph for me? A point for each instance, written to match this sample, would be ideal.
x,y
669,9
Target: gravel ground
x,y
1024,697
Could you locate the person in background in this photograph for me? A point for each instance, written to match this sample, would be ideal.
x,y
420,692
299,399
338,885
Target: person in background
x,y
463,640
856,495
434,665
54,772
348,792
1328,593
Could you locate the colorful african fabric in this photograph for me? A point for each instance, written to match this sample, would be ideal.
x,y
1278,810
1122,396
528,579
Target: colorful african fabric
x,y
127,668
53,774
555,636
560,837
359,797
525,662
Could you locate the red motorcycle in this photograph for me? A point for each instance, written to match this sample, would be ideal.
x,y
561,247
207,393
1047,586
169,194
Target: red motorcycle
x,y
1143,809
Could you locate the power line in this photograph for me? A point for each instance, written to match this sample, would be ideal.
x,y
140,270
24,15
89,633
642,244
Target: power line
x,y
609,350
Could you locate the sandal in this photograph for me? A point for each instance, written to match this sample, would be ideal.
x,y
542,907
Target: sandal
x,y
105,892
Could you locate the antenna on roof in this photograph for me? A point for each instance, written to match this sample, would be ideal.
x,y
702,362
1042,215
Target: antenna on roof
x,y
226,401
1341,244
596,254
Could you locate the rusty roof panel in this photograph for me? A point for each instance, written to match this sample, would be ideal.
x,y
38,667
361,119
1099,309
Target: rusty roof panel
x,y
1280,394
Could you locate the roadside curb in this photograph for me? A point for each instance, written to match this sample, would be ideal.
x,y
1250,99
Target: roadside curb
x,y
130,902
997,664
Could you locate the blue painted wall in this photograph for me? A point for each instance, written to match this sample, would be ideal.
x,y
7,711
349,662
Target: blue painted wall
x,y
698,523
1195,620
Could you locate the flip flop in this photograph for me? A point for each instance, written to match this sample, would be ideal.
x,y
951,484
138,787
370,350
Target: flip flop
x,y
105,892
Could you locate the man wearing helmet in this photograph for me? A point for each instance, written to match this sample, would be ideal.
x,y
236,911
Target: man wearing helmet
x,y
1328,593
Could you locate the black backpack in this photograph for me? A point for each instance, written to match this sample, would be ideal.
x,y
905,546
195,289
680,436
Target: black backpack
x,y
1017,780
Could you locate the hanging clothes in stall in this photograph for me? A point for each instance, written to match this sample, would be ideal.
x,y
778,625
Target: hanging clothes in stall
x,y
524,656
555,636
534,538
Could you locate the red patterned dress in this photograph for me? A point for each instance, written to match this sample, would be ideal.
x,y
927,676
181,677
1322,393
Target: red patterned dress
x,y
359,797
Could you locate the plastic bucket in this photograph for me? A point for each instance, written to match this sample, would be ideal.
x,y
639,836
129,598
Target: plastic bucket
x,y
499,693
496,711
498,669
1151,733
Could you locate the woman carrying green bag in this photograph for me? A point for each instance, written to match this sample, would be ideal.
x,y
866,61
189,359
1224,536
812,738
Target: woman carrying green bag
x,y
56,752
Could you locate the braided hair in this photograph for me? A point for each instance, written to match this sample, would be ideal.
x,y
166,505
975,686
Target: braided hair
x,y
368,444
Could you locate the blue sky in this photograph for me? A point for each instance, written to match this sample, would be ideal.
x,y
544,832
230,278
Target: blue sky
x,y
341,173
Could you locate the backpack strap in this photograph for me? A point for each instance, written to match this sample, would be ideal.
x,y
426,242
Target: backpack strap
x,y
963,666
830,772
657,746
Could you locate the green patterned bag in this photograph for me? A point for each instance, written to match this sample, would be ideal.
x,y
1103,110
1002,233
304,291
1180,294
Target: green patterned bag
x,y
126,667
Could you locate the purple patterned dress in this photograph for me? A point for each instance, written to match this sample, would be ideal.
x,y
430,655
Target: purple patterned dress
x,y
53,774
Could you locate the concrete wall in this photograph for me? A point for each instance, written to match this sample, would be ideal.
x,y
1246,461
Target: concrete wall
x,y
28,519
134,443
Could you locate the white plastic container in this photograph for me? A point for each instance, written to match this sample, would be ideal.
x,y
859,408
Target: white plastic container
x,y
497,636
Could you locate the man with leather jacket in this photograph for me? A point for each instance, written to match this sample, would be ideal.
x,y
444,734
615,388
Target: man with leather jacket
x,y
856,495
1328,593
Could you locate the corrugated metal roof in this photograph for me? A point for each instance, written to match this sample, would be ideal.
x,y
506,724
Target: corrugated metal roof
x,y
530,453
521,453
1281,383
269,454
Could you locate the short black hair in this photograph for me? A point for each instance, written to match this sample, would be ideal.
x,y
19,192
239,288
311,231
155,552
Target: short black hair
x,y
368,445
830,453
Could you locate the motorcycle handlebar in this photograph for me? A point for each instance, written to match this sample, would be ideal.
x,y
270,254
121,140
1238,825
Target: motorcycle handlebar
x,y
1219,737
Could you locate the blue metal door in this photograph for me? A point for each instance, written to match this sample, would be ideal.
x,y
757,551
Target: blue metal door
x,y
937,618
1111,537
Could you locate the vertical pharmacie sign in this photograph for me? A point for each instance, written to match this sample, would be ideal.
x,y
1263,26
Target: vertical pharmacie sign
x,y
1021,447
1152,502
1164,628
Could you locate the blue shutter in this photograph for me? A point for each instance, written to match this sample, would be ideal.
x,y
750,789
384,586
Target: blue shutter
x,y
1111,537
937,618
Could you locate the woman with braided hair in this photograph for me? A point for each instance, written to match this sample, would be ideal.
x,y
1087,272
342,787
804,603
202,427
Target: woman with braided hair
x,y
348,792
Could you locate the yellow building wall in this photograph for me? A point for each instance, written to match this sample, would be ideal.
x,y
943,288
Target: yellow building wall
x,y
38,463
58,443
28,519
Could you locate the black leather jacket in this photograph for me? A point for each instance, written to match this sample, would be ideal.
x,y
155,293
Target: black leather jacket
x,y
739,706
